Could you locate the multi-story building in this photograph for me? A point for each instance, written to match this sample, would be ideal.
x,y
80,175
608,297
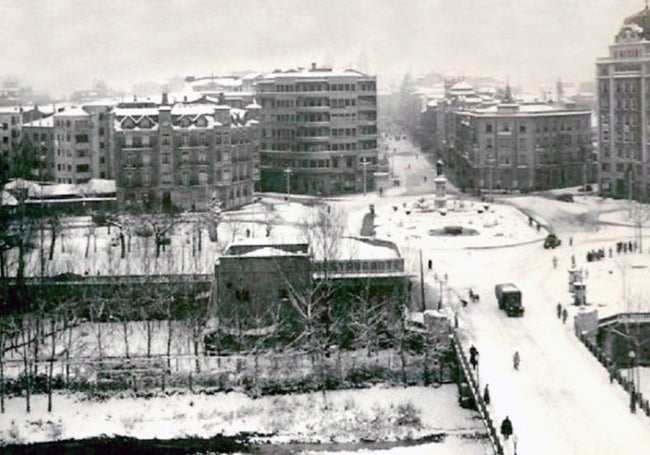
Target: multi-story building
x,y
520,146
185,154
623,80
83,143
10,122
40,134
319,131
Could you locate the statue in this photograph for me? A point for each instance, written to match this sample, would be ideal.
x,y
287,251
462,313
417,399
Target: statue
x,y
439,168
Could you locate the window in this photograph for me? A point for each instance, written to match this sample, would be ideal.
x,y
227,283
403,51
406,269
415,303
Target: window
x,y
128,140
146,159
146,179
165,158
145,141
488,128
203,178
82,168
81,138
185,176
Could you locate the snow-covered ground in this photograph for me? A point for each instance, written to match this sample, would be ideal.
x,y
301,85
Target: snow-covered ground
x,y
378,413
561,400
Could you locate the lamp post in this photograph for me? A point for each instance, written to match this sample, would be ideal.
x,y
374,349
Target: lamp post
x,y
364,163
631,374
288,172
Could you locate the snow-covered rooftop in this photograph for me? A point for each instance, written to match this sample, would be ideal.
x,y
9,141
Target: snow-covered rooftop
x,y
42,122
73,112
317,74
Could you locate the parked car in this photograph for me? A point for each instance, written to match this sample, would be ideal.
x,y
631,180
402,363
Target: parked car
x,y
552,241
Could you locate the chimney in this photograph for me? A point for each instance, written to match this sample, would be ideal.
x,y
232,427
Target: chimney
x,y
164,98
313,66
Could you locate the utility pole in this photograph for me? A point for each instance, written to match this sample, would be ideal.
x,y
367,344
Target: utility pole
x,y
288,172
424,306
364,163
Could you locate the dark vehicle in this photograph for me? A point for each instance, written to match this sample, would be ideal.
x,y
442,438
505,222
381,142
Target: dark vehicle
x,y
509,298
552,241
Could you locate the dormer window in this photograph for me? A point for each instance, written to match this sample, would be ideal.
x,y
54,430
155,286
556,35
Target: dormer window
x,y
128,123
145,123
201,122
185,122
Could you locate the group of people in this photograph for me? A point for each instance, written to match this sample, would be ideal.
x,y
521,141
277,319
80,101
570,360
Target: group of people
x,y
621,247
506,424
597,255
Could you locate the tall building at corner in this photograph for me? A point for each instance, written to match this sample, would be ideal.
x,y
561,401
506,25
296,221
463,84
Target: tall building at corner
x,y
623,80
319,131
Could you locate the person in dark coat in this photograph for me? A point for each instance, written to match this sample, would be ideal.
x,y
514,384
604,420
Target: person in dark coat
x,y
506,428
559,310
515,360
565,314
430,264
486,395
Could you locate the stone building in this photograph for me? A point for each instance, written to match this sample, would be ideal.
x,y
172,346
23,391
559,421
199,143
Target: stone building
x,y
256,280
520,146
319,131
187,155
40,134
623,79
83,143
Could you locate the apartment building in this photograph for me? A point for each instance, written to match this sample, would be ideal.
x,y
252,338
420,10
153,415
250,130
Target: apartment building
x,y
520,146
187,155
318,131
623,79
82,138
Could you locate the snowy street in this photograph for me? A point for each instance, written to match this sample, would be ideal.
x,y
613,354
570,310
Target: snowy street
x,y
561,400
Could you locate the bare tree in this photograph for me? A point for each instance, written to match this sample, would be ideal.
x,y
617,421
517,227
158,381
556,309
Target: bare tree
x,y
639,214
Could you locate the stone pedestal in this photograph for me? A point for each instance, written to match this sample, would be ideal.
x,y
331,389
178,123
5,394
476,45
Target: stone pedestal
x,y
441,193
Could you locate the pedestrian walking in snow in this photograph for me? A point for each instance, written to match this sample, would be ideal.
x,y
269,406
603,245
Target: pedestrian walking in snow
x,y
565,314
570,241
473,352
559,310
430,264
555,262
506,428
573,261
515,360
633,402
474,362
486,395
610,251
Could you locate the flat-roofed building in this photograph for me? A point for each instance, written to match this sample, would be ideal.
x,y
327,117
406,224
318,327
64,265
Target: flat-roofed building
x,y
319,131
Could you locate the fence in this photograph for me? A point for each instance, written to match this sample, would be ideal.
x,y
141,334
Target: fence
x,y
266,373
478,399
636,397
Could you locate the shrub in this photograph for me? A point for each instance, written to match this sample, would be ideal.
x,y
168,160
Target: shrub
x,y
408,416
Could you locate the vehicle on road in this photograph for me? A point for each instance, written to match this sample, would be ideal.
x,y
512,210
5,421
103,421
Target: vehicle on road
x,y
552,241
509,299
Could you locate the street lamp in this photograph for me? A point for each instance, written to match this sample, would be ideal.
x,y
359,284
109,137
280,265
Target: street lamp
x,y
364,163
288,172
630,375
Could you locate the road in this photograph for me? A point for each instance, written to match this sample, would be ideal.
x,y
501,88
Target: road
x,y
561,400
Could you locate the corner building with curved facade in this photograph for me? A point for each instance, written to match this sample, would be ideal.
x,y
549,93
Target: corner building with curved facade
x,y
318,131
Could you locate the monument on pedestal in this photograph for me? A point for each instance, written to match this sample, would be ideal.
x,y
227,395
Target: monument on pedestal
x,y
441,189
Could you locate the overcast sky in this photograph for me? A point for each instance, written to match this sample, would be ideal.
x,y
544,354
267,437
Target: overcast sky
x,y
62,45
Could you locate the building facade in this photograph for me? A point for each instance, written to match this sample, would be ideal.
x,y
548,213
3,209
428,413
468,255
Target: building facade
x,y
40,134
187,155
520,146
623,79
318,131
83,144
